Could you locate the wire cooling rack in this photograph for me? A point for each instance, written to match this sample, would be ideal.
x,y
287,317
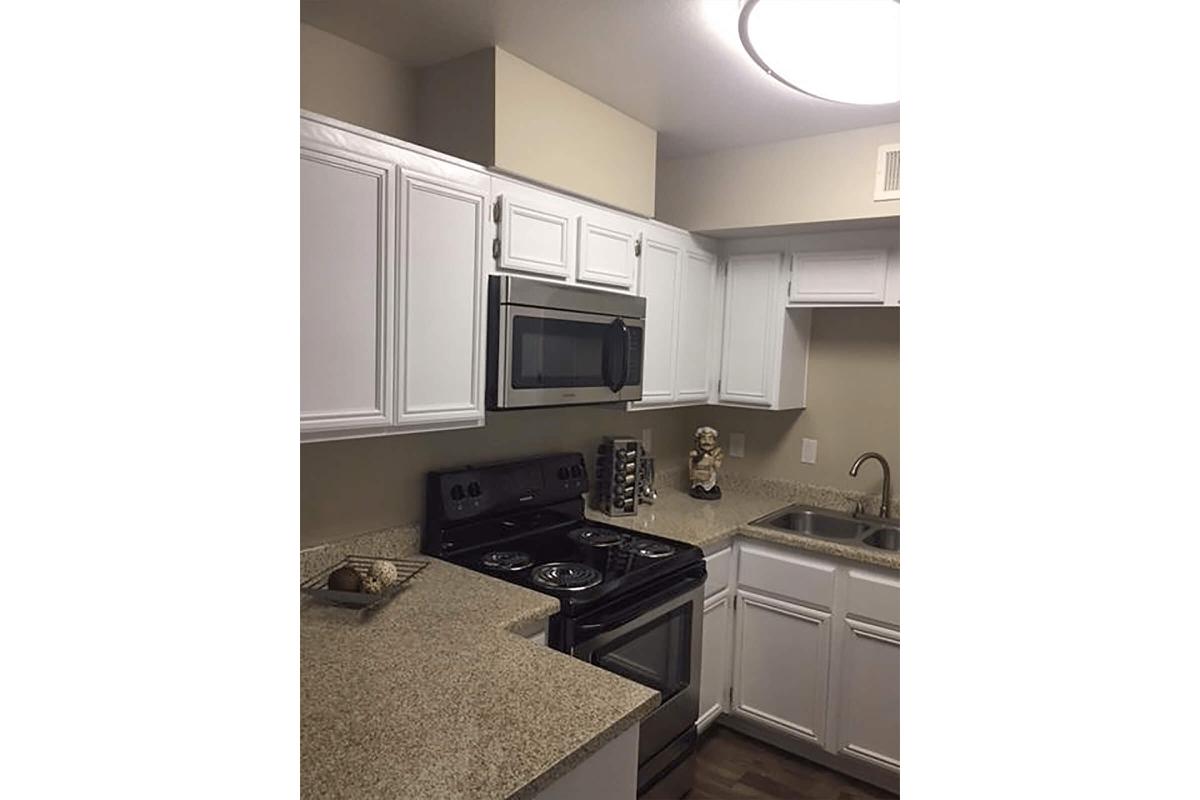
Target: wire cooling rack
x,y
317,587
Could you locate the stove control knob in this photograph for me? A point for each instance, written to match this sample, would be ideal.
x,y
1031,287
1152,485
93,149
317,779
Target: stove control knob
x,y
576,471
473,489
563,473
456,492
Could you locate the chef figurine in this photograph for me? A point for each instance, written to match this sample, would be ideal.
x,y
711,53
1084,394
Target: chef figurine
x,y
703,463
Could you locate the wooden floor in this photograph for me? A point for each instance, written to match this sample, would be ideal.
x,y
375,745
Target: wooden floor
x,y
730,766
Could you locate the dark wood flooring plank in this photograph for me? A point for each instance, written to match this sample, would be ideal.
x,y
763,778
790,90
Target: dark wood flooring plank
x,y
731,766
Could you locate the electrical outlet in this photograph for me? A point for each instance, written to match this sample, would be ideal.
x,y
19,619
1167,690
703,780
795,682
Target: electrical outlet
x,y
648,440
737,445
808,451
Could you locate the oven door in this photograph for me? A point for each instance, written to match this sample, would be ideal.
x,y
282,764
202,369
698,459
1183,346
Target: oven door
x,y
656,643
552,357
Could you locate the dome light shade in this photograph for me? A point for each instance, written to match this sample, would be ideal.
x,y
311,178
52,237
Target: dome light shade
x,y
847,51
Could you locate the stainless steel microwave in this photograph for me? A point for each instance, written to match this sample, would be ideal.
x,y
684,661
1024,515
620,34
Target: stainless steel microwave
x,y
551,345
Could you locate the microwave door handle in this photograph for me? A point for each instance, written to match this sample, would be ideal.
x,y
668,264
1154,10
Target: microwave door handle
x,y
614,372
626,352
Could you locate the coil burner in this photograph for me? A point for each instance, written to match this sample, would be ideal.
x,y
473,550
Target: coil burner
x,y
566,576
507,560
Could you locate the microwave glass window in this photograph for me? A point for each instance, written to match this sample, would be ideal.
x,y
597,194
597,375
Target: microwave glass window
x,y
655,655
549,353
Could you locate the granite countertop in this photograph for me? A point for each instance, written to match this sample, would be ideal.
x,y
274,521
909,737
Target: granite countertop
x,y
440,696
712,524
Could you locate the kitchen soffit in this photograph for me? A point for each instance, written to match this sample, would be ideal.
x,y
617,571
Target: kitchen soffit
x,y
675,65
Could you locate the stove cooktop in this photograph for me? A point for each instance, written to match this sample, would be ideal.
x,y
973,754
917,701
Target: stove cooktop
x,y
582,562
523,522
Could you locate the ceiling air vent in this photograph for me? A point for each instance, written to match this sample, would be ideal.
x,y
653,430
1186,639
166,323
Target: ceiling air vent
x,y
887,173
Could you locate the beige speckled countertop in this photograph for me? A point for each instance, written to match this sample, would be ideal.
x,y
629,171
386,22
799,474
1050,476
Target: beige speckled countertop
x,y
437,697
711,524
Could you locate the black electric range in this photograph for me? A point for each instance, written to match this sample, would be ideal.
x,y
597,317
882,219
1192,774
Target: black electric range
x,y
629,603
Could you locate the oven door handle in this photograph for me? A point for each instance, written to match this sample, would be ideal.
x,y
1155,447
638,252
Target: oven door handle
x,y
616,355
627,615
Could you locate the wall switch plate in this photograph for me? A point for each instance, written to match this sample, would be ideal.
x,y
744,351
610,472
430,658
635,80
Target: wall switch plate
x,y
737,445
808,451
648,440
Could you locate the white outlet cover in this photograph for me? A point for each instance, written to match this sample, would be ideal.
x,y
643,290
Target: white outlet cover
x,y
648,440
737,445
808,451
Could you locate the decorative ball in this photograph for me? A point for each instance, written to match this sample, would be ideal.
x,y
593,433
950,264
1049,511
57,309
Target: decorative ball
x,y
385,571
372,585
345,579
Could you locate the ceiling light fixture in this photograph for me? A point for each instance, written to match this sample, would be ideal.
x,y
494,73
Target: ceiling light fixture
x,y
847,51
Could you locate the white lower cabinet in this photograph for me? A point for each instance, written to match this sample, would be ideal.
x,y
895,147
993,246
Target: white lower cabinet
x,y
715,657
781,666
814,644
868,699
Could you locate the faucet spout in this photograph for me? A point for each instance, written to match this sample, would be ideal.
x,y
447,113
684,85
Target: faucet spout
x,y
885,502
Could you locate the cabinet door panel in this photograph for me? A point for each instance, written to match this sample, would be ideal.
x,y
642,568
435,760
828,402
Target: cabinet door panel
x,y
696,323
868,707
750,345
839,277
714,659
443,231
659,284
535,234
606,249
347,279
782,670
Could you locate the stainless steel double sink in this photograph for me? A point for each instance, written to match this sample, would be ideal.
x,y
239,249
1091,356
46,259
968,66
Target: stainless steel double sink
x,y
882,534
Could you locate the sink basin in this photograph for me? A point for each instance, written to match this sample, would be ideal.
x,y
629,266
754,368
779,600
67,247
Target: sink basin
x,y
816,522
882,534
884,539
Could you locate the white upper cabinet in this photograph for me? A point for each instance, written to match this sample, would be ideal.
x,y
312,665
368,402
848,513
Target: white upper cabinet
x,y
607,248
535,231
393,247
348,277
660,286
442,240
697,321
677,276
764,346
856,277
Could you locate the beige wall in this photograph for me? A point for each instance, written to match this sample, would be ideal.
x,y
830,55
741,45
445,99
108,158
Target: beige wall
x,y
357,485
853,406
551,132
456,104
814,179
349,82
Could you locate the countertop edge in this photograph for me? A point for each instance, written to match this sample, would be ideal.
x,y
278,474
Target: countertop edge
x,y
572,760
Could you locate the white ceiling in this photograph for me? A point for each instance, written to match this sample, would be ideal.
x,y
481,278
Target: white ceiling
x,y
676,65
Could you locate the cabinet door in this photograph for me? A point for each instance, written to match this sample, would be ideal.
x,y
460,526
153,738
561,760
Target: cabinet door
x,y
535,232
696,321
714,658
868,696
857,276
750,346
781,666
660,287
607,249
442,235
348,274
